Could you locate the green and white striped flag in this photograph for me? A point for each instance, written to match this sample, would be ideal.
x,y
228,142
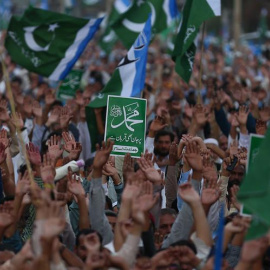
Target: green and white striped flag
x,y
194,14
129,25
109,38
48,43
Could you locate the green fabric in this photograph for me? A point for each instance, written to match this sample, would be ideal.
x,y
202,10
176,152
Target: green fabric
x,y
57,38
138,14
255,190
194,14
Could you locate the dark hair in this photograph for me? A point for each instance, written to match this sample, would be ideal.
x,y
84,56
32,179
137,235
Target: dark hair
x,y
17,79
168,211
187,243
57,103
110,213
164,133
87,232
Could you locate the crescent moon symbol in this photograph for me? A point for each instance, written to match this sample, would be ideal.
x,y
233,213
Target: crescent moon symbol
x,y
138,27
30,41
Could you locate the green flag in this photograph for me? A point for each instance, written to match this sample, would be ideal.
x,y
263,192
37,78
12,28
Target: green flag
x,y
70,85
48,43
131,23
255,190
194,14
109,38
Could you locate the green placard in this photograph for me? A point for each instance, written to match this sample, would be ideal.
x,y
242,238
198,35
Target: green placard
x,y
254,147
126,124
70,85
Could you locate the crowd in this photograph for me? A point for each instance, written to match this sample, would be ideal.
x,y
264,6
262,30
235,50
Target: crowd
x,y
90,210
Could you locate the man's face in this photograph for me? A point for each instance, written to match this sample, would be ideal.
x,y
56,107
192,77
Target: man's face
x,y
81,250
165,224
162,145
237,174
223,143
112,221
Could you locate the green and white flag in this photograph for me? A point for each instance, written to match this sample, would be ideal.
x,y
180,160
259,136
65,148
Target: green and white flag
x,y
70,85
194,14
126,125
109,38
48,43
131,23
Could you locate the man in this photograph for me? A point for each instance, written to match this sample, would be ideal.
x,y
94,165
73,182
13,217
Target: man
x,y
237,174
223,142
80,248
167,218
162,143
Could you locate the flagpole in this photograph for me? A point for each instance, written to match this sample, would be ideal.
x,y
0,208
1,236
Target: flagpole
x,y
13,110
199,98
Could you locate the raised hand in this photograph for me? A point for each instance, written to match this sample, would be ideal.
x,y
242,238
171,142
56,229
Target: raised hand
x,y
193,156
4,138
188,193
69,141
54,223
149,171
33,154
74,184
23,185
234,148
37,109
50,98
3,155
47,170
200,115
146,198
128,168
17,121
242,115
53,117
102,154
54,148
157,124
210,192
75,151
109,169
173,155
209,169
65,117
6,217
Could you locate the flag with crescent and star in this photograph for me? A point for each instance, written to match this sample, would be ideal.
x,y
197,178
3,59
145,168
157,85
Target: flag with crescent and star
x,y
127,80
129,25
48,43
109,38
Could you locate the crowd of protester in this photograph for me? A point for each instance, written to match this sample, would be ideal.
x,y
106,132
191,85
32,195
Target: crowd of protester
x,y
90,210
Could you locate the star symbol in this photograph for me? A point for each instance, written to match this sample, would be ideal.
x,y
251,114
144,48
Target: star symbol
x,y
52,27
140,2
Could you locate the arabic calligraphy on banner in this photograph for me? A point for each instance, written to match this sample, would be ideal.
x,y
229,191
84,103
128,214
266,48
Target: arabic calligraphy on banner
x,y
125,125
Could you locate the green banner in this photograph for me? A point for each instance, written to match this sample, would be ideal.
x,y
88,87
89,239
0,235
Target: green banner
x,y
254,147
70,85
126,124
